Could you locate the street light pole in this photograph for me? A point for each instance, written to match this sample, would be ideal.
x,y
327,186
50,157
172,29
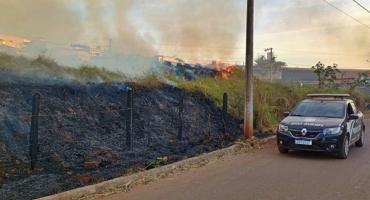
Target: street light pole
x,y
270,49
248,105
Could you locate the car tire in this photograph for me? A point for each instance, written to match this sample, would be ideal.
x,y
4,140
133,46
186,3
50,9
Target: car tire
x,y
282,150
343,154
360,142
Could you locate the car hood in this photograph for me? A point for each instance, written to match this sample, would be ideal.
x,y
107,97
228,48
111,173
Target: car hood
x,y
295,122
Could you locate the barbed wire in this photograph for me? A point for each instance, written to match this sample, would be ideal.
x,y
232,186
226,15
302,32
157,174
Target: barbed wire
x,y
60,115
24,163
40,130
13,164
82,115
15,117
76,111
78,127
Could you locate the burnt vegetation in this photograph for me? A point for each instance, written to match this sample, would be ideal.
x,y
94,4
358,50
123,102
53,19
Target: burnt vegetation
x,y
82,129
83,115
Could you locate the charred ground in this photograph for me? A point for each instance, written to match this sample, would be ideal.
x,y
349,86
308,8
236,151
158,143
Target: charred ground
x,y
82,132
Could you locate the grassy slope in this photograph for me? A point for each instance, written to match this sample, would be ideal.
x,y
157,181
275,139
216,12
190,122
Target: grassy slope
x,y
270,99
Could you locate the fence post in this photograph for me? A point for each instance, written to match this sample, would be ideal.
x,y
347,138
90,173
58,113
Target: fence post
x,y
129,133
34,130
181,115
224,111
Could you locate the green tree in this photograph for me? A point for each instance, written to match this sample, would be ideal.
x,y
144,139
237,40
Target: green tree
x,y
361,79
262,66
326,75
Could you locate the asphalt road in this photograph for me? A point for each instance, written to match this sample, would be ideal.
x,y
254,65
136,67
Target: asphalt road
x,y
267,174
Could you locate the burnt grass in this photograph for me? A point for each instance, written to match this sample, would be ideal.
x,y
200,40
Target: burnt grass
x,y
82,132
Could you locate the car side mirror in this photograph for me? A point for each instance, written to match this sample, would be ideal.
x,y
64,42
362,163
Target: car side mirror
x,y
286,114
353,116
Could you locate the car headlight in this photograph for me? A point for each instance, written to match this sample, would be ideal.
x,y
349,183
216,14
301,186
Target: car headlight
x,y
283,128
332,131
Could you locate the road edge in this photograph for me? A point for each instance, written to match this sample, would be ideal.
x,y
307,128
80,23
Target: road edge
x,y
121,181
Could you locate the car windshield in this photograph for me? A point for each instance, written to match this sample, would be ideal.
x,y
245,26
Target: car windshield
x,y
319,109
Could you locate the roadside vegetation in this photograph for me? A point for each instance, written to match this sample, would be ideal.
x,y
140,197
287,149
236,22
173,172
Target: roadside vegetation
x,y
271,99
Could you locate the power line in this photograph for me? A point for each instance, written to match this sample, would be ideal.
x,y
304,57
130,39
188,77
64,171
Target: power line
x,y
287,50
361,6
299,64
322,53
346,14
305,65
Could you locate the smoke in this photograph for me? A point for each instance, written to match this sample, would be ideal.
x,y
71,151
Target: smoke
x,y
42,18
188,29
196,29
89,22
193,30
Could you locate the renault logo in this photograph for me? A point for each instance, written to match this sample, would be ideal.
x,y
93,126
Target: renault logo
x,y
304,131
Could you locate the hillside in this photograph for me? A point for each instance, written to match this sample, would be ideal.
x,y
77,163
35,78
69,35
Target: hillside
x,y
82,132
84,116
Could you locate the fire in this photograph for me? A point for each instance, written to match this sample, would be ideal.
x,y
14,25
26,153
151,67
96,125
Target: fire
x,y
223,70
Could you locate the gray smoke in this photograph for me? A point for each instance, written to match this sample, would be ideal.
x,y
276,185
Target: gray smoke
x,y
191,29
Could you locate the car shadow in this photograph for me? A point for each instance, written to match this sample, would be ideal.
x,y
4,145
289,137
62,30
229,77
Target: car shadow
x,y
313,155
310,154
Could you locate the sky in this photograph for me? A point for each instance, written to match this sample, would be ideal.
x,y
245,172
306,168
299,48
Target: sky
x,y
301,32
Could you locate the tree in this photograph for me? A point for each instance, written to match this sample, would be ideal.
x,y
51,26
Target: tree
x,y
262,66
362,79
326,75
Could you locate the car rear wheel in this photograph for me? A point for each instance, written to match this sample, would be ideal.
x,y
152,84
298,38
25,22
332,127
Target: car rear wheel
x,y
282,150
361,141
345,148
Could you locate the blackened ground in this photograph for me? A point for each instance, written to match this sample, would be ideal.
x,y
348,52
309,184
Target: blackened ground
x,y
82,132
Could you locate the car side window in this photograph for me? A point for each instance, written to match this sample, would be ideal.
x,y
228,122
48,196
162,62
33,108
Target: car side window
x,y
350,110
354,108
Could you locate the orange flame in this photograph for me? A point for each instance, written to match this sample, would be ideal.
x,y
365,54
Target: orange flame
x,y
224,71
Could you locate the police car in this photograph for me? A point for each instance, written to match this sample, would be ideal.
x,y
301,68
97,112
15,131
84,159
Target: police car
x,y
322,122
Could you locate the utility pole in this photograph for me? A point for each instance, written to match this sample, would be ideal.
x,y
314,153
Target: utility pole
x,y
248,105
270,49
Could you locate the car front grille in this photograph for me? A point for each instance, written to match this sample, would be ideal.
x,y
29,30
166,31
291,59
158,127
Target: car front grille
x,y
309,134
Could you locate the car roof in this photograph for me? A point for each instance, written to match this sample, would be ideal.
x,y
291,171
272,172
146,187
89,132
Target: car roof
x,y
327,100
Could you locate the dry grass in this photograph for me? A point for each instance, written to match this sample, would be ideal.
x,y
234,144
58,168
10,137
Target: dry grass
x,y
270,99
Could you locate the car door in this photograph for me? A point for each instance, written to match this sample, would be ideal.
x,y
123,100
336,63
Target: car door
x,y
355,124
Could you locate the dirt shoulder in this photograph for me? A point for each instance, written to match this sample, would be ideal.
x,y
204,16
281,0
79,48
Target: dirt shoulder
x,y
124,184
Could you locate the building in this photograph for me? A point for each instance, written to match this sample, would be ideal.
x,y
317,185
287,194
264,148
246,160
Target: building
x,y
307,75
12,45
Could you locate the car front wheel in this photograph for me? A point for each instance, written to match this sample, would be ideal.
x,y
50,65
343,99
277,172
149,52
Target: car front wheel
x,y
345,148
282,150
361,141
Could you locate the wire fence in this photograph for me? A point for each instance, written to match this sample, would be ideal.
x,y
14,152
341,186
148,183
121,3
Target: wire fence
x,y
80,128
